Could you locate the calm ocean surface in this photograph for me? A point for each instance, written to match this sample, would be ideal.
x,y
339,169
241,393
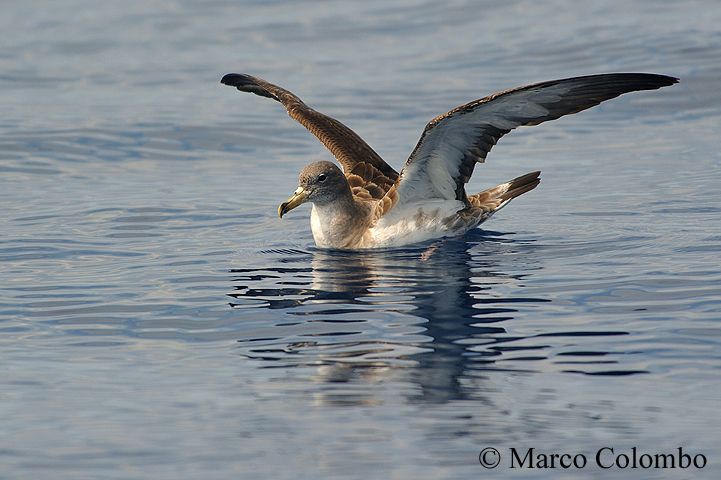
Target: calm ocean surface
x,y
157,320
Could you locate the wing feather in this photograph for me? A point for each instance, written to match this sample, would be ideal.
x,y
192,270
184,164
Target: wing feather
x,y
356,157
451,144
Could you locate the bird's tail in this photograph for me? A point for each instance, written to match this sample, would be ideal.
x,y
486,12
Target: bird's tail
x,y
495,198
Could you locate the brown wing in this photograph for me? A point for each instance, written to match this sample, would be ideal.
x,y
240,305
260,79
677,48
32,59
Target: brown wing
x,y
369,176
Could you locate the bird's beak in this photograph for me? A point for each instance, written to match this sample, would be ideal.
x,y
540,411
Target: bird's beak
x,y
299,197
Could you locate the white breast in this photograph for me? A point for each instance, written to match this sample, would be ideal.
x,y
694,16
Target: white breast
x,y
317,228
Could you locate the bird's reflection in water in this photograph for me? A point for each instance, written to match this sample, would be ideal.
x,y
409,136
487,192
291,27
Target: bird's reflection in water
x,y
431,313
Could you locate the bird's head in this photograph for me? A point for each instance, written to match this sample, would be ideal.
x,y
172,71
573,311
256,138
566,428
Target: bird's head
x,y
319,183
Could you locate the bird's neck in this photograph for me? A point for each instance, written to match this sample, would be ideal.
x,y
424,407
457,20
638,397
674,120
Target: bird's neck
x,y
340,223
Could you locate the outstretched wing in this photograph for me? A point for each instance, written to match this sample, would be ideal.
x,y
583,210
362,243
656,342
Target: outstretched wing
x,y
366,171
452,143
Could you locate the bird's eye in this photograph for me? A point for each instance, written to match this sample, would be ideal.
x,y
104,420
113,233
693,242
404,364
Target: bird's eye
x,y
321,177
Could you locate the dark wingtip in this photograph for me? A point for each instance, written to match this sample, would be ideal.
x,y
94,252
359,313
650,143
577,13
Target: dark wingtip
x,y
235,79
665,80
245,83
640,81
652,81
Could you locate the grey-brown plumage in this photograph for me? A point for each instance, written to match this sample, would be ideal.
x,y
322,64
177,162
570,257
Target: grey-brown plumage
x,y
428,199
478,125
356,156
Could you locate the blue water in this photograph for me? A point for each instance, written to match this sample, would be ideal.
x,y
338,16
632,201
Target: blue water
x,y
158,321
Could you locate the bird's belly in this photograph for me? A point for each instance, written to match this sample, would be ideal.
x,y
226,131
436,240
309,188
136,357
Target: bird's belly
x,y
419,224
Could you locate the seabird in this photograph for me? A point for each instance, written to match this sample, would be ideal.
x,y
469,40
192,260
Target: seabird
x,y
370,205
